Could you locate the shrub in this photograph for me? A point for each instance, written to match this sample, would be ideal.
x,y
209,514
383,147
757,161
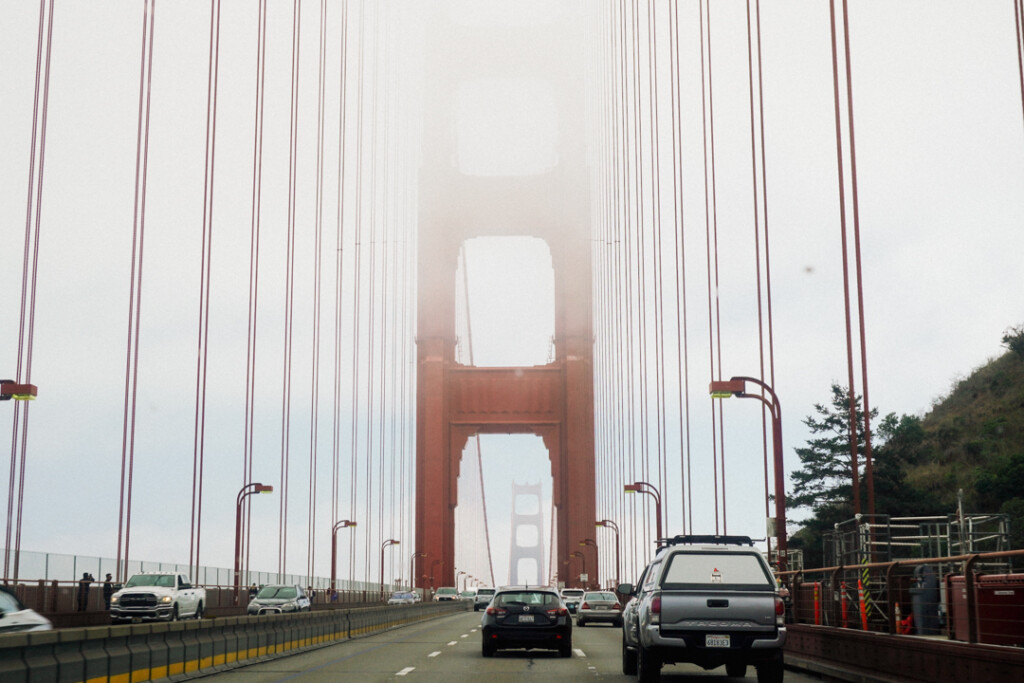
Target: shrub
x,y
1013,339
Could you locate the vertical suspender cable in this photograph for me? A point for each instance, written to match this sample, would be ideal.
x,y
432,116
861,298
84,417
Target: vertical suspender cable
x,y
286,394
1018,19
356,290
339,277
135,293
659,319
868,468
710,223
205,270
33,213
254,276
314,422
846,265
679,249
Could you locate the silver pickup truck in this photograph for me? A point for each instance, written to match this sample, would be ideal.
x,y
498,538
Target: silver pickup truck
x,y
706,600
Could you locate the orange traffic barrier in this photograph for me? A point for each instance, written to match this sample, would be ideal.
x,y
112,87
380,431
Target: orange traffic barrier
x,y
845,606
817,604
863,607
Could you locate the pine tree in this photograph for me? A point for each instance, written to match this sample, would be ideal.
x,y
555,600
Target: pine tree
x,y
825,478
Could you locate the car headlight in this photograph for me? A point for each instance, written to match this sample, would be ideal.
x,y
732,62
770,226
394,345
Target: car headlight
x,y
166,600
114,599
289,607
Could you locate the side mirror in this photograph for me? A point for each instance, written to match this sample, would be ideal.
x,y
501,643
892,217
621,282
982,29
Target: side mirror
x,y
624,589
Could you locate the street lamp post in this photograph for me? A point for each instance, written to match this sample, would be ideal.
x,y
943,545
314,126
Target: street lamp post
x,y
458,574
736,386
412,569
591,542
384,545
246,491
343,524
614,527
583,562
644,487
433,564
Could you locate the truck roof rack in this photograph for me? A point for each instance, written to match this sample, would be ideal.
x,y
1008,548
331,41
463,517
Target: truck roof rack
x,y
690,539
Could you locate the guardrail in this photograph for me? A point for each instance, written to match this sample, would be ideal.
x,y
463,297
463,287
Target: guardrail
x,y
146,652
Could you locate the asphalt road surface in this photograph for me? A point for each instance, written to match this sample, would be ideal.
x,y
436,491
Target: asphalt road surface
x,y
447,650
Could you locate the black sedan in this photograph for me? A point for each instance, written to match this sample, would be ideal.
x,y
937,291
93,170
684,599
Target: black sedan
x,y
527,618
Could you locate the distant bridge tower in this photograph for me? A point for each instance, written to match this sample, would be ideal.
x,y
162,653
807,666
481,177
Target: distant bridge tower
x,y
526,497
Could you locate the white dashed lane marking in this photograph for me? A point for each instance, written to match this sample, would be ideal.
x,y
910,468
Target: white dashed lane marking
x,y
579,653
405,671
453,642
434,654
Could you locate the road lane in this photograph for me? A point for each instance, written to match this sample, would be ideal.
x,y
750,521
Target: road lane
x,y
447,650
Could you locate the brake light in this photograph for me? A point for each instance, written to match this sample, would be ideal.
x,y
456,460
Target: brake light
x,y
780,607
496,610
656,610
584,606
558,612
617,606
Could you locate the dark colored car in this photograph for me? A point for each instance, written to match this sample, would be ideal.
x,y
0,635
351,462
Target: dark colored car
x,y
527,618
599,606
278,598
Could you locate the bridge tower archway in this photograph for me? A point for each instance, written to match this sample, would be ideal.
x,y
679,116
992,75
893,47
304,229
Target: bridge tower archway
x,y
454,401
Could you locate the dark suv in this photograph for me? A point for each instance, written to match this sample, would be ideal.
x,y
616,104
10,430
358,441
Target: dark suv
x,y
707,600
526,617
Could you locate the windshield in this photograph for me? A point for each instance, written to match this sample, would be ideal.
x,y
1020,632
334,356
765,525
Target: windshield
x,y
446,591
485,592
278,593
527,598
162,580
721,571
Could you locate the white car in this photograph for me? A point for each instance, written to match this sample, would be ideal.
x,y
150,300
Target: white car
x,y
15,617
402,598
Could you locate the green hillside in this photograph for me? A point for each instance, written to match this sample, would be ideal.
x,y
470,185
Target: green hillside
x,y
975,435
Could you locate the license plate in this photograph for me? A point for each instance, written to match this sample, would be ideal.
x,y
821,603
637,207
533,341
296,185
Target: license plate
x,y
525,618
716,641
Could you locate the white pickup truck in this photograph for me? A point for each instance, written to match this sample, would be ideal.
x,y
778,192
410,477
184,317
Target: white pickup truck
x,y
157,596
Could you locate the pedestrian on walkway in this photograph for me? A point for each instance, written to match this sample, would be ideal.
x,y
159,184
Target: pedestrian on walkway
x,y
83,591
108,590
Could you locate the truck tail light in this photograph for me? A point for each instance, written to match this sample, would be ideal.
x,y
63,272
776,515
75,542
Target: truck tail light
x,y
780,611
656,610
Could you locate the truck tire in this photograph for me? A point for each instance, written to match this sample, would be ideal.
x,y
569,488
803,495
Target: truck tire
x,y
199,611
628,660
648,667
174,612
771,672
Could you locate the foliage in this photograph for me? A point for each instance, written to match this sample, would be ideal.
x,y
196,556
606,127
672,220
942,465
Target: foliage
x,y
1013,339
825,479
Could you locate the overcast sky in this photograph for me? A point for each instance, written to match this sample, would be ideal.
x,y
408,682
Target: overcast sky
x,y
940,153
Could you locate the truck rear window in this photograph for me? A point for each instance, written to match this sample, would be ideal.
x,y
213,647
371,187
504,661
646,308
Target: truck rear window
x,y
716,571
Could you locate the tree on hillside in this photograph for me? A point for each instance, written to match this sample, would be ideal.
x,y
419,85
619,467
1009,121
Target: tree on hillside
x,y
825,478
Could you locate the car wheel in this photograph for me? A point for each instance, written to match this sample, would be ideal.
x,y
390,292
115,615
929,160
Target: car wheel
x,y
648,668
565,650
628,660
580,622
617,623
487,650
735,669
771,672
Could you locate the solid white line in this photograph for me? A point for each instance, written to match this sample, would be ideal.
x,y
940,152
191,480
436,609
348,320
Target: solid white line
x,y
405,670
434,654
579,652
